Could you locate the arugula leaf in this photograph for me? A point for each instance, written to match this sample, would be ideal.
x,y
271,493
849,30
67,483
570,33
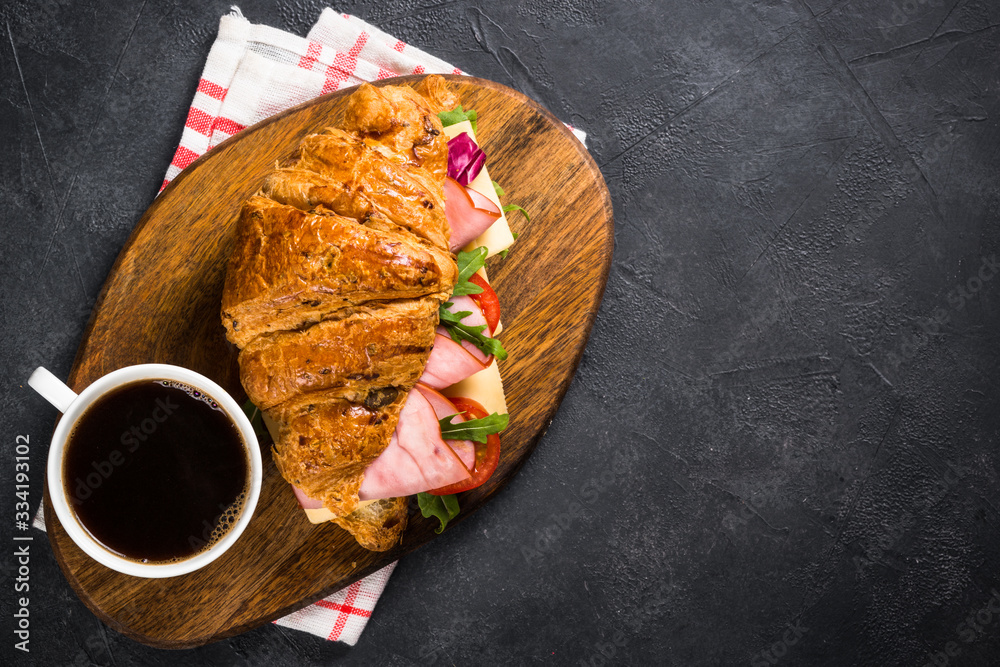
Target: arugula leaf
x,y
445,508
256,418
514,207
473,429
469,263
507,209
457,115
458,331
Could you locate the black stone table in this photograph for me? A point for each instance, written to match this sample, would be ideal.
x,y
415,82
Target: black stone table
x,y
781,444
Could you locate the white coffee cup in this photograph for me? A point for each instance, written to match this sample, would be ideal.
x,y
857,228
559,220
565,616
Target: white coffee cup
x,y
73,405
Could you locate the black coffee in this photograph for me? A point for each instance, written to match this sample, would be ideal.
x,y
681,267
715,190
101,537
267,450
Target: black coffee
x,y
156,471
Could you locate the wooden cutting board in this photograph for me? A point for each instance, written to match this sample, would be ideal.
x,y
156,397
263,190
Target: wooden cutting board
x,y
161,304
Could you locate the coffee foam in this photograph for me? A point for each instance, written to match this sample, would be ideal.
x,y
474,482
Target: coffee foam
x,y
227,520
197,394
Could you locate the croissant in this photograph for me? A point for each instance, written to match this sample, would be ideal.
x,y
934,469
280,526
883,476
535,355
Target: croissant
x,y
332,294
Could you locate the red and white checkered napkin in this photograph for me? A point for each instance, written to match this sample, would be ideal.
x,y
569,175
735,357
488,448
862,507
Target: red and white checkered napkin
x,y
255,71
343,615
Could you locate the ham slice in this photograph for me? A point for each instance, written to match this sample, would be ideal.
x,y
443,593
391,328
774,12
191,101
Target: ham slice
x,y
475,318
452,362
469,213
443,407
466,304
416,460
305,502
449,363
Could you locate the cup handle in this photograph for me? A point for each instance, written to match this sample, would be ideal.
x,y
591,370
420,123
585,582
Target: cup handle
x,y
52,389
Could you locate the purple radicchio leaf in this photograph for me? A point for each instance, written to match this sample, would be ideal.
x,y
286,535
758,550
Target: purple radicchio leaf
x,y
465,159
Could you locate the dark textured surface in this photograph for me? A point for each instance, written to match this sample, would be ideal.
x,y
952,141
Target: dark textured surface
x,y
782,437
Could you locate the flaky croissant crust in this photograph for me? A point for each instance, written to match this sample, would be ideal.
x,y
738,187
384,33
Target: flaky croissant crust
x,y
332,292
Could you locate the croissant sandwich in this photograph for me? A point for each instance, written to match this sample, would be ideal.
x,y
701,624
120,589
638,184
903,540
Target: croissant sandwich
x,y
362,333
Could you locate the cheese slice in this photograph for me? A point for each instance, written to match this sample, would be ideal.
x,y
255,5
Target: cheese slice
x,y
498,237
272,426
322,514
484,387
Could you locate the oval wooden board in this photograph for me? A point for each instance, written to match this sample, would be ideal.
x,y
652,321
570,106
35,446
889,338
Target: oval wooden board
x,y
161,304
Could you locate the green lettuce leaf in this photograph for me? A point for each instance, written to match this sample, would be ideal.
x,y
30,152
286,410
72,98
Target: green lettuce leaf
x,y
452,322
473,429
514,207
469,263
457,115
445,508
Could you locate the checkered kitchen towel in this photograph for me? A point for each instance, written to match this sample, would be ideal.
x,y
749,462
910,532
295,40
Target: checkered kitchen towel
x,y
256,71
253,72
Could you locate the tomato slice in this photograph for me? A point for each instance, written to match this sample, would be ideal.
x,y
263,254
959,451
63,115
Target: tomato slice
x,y
487,301
487,454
